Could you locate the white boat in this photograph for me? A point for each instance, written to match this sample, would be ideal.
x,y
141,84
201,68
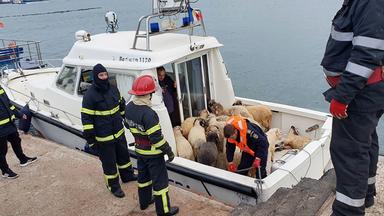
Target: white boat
x,y
55,94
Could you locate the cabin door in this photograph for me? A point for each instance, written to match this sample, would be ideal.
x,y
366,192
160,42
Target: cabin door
x,y
192,86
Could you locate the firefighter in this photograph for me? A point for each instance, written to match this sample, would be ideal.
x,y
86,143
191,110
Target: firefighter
x,y
252,142
102,115
8,132
151,146
353,66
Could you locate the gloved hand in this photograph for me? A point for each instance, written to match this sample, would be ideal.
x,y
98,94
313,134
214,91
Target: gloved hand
x,y
256,163
232,167
338,110
171,156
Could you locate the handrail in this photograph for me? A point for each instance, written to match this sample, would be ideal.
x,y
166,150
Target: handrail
x,y
148,34
34,100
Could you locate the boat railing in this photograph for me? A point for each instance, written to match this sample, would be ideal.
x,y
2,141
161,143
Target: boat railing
x,y
189,25
20,54
54,111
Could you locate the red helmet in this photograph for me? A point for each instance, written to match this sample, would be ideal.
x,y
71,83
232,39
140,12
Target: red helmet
x,y
143,85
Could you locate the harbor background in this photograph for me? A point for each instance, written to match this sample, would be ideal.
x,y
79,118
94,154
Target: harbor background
x,y
272,48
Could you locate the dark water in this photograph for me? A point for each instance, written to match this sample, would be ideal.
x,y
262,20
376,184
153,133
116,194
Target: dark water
x,y
272,48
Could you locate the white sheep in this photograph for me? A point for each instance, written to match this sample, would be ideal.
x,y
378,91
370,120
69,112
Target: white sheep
x,y
184,148
196,135
273,136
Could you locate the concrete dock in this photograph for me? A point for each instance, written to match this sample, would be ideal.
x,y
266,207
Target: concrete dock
x,y
68,182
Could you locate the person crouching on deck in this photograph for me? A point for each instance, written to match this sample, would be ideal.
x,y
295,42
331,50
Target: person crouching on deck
x,y
251,140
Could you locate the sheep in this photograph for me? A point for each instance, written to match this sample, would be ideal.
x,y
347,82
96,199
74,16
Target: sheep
x,y
187,125
262,114
196,135
240,111
216,108
294,140
273,135
184,148
208,152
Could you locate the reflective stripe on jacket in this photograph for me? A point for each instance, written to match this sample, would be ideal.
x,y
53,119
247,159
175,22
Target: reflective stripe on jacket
x,y
102,115
8,113
144,125
354,50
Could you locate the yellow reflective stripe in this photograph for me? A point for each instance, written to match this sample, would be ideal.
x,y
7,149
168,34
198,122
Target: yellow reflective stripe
x,y
145,184
124,166
108,112
12,107
107,177
163,194
153,151
119,133
87,126
122,112
87,111
5,121
1,91
110,137
153,129
104,139
102,113
136,131
160,143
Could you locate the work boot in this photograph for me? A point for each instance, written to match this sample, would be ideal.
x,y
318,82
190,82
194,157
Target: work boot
x,y
118,193
9,174
369,201
174,210
133,177
143,207
27,161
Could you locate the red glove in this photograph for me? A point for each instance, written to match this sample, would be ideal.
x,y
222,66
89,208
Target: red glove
x,y
256,163
232,167
338,110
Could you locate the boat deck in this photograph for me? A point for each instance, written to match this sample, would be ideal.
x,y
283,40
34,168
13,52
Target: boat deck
x,y
68,182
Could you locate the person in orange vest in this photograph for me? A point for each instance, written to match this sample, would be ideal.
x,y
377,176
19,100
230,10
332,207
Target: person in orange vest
x,y
251,140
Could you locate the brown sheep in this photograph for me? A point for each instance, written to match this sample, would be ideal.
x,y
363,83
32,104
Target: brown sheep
x,y
187,125
262,114
294,140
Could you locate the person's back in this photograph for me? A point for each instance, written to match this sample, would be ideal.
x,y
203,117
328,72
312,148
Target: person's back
x,y
150,146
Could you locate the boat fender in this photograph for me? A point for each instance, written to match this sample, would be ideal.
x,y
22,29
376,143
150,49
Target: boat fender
x,y
25,124
283,160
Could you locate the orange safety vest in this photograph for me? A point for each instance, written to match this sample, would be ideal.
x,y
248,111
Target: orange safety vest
x,y
241,125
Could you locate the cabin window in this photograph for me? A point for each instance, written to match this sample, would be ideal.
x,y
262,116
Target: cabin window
x,y
123,82
66,79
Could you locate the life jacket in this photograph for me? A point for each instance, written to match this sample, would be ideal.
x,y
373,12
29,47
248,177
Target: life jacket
x,y
240,124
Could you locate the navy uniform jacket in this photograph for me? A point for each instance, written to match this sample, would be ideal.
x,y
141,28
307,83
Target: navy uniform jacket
x,y
256,140
144,125
102,115
8,113
354,49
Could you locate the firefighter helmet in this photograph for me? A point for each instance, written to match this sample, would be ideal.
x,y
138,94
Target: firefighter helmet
x,y
143,85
